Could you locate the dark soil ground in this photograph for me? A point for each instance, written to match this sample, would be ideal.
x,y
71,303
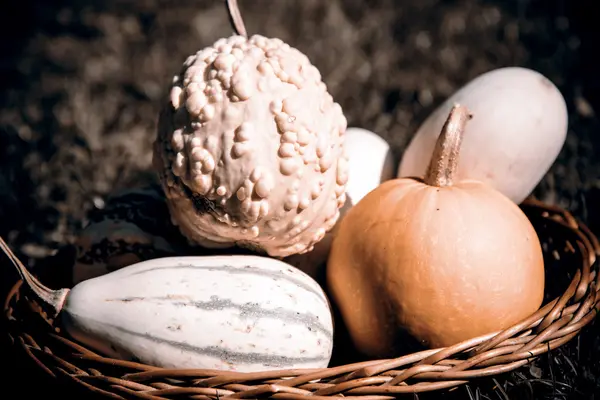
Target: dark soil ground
x,y
81,83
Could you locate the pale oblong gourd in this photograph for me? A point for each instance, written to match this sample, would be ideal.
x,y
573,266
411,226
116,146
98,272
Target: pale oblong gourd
x,y
519,127
370,162
236,313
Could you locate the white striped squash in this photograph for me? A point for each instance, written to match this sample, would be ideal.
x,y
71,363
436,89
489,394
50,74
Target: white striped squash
x,y
238,313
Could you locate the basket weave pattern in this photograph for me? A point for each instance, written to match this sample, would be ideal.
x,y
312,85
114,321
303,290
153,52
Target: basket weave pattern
x,y
567,243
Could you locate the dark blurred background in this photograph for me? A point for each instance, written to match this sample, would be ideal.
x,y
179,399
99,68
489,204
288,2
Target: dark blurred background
x,y
81,82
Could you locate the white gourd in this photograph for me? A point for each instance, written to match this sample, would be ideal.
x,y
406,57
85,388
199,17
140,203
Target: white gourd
x,y
236,313
519,126
370,162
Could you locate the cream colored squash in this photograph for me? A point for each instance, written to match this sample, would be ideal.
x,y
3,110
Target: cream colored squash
x,y
231,313
520,128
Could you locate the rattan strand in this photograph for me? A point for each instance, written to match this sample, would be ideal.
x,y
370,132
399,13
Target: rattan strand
x,y
556,323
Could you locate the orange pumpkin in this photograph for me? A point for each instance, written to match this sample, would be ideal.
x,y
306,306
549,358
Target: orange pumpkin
x,y
441,261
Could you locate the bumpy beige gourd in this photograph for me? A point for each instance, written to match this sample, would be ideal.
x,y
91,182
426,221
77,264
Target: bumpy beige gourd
x,y
250,148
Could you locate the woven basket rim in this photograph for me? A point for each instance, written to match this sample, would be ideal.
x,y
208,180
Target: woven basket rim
x,y
554,324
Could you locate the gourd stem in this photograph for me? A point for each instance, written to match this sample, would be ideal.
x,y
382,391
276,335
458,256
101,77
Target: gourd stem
x,y
235,18
53,298
444,160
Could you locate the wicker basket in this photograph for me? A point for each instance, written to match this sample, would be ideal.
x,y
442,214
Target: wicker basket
x,y
570,251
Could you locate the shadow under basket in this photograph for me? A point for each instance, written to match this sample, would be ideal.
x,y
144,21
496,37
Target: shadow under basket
x,y
572,301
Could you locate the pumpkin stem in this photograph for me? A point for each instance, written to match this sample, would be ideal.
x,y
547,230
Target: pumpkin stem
x,y
53,298
235,18
444,160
